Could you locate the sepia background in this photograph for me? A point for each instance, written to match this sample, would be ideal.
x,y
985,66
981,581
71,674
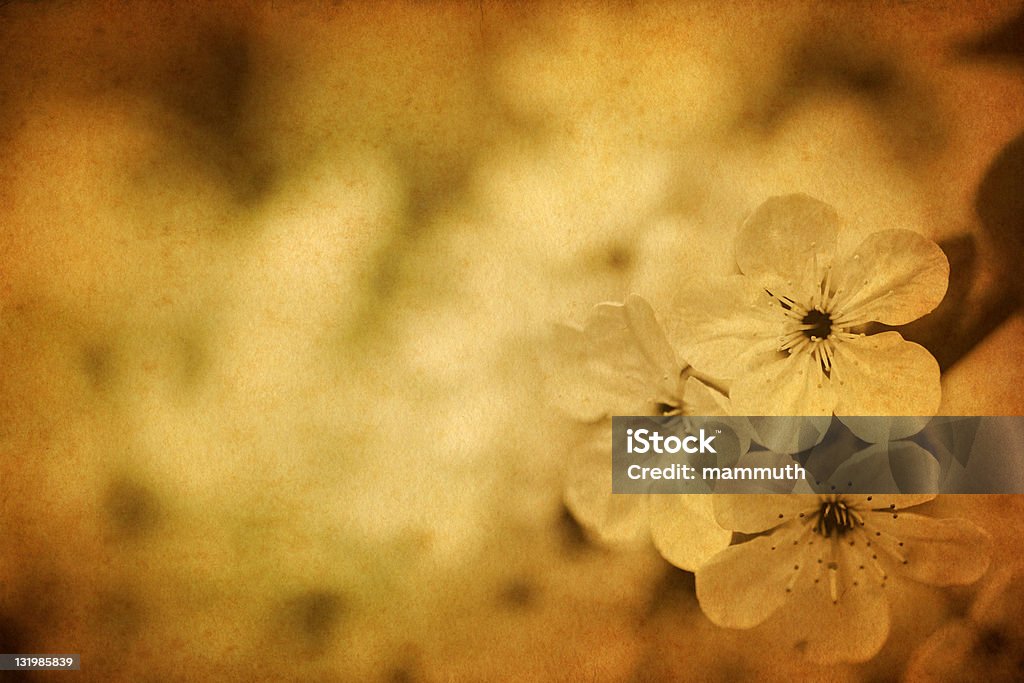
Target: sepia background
x,y
276,279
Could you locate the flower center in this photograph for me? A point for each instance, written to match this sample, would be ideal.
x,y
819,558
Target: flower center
x,y
668,408
816,324
819,323
834,519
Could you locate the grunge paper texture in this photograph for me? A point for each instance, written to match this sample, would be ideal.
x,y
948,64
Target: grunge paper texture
x,y
313,317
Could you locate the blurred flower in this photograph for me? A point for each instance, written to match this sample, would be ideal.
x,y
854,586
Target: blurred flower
x,y
620,363
988,645
831,561
787,329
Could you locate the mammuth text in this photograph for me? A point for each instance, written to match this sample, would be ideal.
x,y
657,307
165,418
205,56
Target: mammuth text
x,y
787,472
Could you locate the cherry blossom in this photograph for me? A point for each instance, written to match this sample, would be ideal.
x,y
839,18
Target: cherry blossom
x,y
620,363
789,331
825,566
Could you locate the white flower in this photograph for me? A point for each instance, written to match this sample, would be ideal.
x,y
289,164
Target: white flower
x,y
620,363
823,566
788,330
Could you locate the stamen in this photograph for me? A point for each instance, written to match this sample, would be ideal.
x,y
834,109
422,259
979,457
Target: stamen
x,y
824,319
827,352
835,519
826,289
789,307
833,582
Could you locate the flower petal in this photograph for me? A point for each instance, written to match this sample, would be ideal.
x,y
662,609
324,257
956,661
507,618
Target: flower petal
x,y
851,628
902,501
745,584
999,600
879,429
787,244
701,400
793,385
752,514
883,374
726,327
619,364
630,360
634,325
938,552
613,518
792,434
949,654
894,277
888,468
685,531
985,647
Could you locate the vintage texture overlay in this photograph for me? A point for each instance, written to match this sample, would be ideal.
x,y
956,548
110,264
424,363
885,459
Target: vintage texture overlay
x,y
313,317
